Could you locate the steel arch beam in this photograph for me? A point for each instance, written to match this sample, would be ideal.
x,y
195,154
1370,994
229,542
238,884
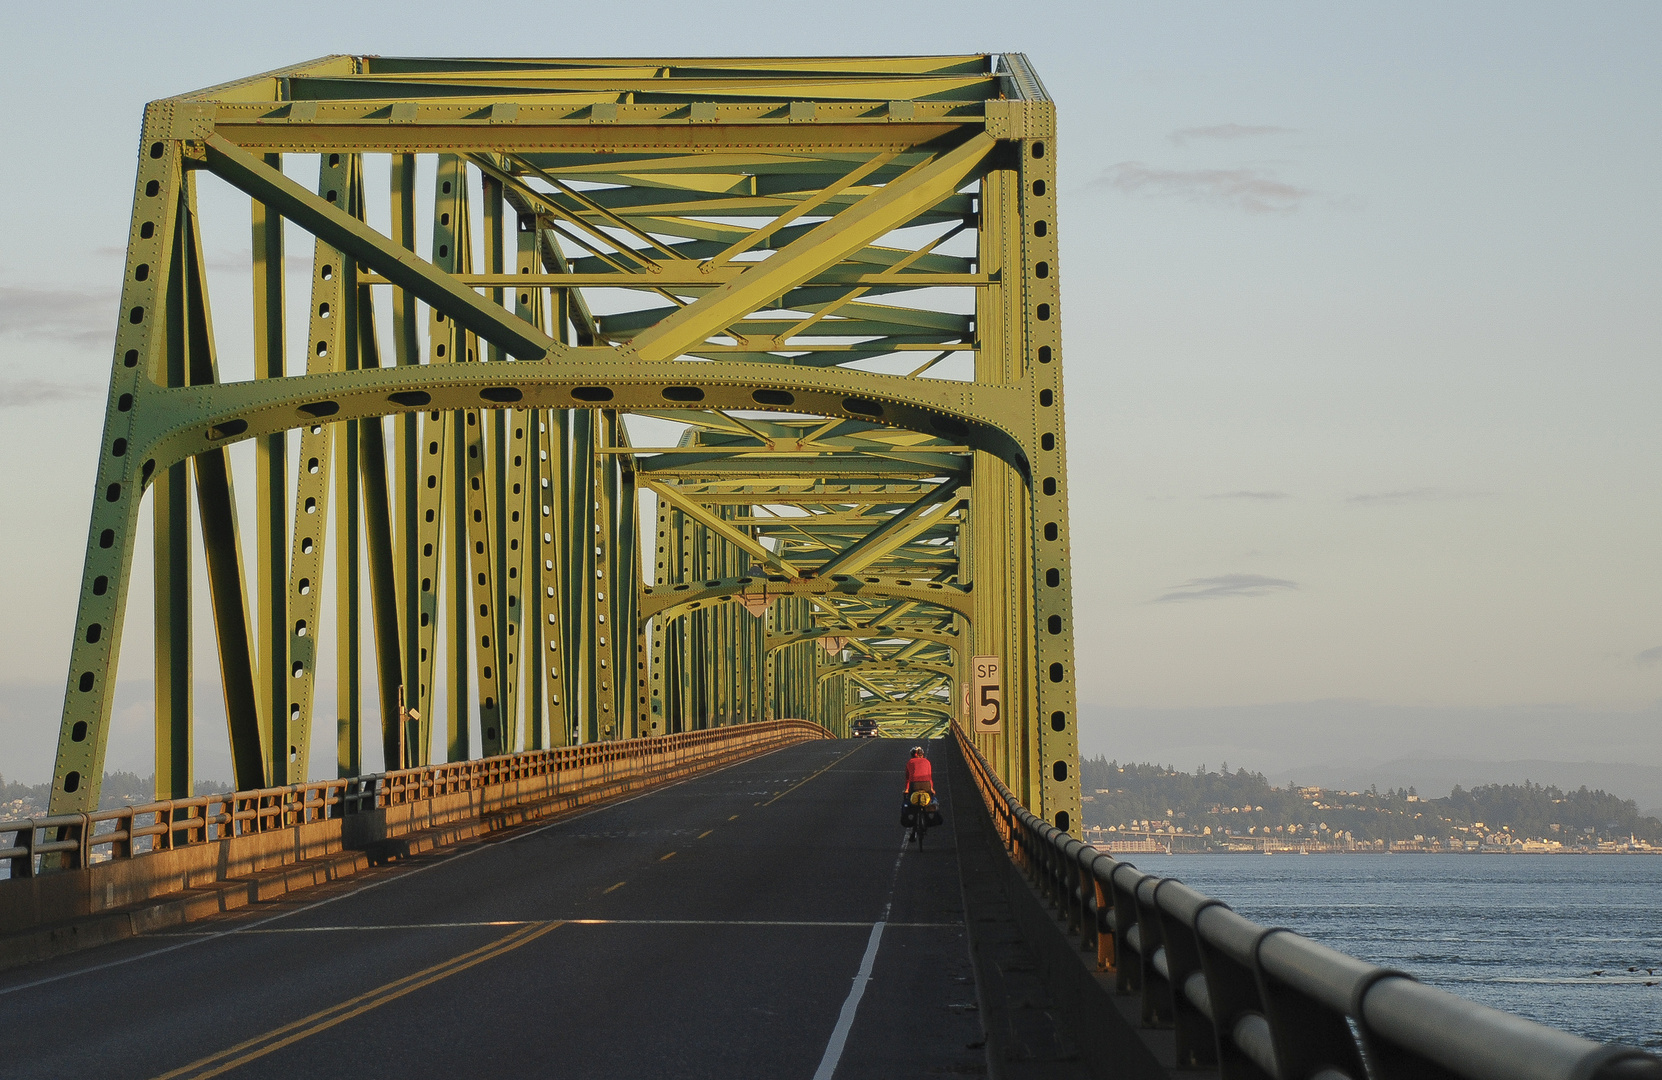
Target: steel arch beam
x,y
170,425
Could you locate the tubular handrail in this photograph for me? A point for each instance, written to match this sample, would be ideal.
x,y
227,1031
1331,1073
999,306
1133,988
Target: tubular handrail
x,y
82,839
1264,1003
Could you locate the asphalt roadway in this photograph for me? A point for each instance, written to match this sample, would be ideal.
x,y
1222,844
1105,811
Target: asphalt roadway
x,y
761,920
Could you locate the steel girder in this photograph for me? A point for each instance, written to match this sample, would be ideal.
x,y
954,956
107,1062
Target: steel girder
x,y
835,280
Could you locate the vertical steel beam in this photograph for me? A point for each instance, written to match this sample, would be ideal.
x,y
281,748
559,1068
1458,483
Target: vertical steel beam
x,y
217,503
553,589
140,354
326,346
437,501
483,596
601,588
172,558
414,741
271,470
526,472
348,595
582,532
496,466
1051,578
476,593
378,544
347,522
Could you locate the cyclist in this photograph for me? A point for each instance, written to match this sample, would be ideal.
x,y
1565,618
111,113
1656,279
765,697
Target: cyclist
x,y
920,775
916,810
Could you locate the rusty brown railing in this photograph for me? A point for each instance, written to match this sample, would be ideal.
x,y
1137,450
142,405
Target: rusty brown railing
x,y
78,840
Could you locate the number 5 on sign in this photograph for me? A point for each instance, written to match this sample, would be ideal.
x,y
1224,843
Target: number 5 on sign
x,y
986,688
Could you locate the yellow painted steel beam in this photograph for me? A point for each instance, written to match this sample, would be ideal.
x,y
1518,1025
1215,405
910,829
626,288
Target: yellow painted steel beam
x,y
892,533
830,243
356,240
732,535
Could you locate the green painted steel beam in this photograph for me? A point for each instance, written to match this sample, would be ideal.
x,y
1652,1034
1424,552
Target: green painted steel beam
x,y
853,324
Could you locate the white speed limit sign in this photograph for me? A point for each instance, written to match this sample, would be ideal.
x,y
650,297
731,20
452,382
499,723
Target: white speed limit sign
x,y
986,691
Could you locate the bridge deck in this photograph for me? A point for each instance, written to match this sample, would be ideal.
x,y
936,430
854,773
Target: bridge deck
x,y
711,928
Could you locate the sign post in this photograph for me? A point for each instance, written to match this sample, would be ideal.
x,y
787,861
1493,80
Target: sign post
x,y
986,693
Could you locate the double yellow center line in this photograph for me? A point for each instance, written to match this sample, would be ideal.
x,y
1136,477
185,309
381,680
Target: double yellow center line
x,y
277,1038
811,776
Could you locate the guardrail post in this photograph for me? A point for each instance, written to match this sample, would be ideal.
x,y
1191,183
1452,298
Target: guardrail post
x,y
1157,991
1227,943
1102,888
1310,1024
1071,883
1176,906
24,865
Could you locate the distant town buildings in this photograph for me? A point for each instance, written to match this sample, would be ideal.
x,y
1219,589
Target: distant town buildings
x,y
1152,808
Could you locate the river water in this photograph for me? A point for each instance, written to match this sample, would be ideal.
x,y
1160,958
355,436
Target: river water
x,y
1549,937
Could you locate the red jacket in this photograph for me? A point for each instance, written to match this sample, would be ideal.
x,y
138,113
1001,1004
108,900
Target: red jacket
x,y
919,769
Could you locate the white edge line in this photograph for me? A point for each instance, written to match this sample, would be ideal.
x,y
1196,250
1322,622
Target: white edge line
x,y
851,1005
796,923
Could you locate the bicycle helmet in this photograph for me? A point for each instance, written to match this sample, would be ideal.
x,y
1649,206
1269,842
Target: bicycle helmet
x,y
917,751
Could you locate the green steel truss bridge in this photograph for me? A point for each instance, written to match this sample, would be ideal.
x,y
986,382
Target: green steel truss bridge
x,y
615,438
625,398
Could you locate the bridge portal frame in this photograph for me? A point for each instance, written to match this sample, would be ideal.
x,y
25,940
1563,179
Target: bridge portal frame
x,y
925,132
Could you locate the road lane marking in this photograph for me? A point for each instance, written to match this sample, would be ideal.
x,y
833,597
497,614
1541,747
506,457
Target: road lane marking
x,y
705,833
834,923
322,1020
851,1005
442,860
735,817
619,885
671,855
766,922
810,776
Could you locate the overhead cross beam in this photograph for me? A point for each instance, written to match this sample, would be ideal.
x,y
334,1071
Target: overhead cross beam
x,y
824,246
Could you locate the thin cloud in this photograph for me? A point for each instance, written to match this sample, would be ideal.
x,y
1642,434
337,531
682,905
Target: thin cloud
x,y
22,393
1228,131
1214,588
57,314
1409,495
1259,496
1649,656
1252,190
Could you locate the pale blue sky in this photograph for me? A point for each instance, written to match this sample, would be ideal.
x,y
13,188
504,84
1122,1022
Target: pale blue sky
x,y
1361,315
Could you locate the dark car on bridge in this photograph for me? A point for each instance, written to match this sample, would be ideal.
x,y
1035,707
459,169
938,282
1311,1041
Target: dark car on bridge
x,y
863,729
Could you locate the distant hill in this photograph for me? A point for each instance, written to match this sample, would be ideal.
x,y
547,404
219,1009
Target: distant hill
x,y
1245,804
1434,778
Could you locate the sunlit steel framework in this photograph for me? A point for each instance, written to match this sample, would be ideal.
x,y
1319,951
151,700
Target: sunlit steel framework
x,y
630,397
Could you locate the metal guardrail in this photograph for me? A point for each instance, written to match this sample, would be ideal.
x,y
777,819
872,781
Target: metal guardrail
x,y
125,832
1264,1003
